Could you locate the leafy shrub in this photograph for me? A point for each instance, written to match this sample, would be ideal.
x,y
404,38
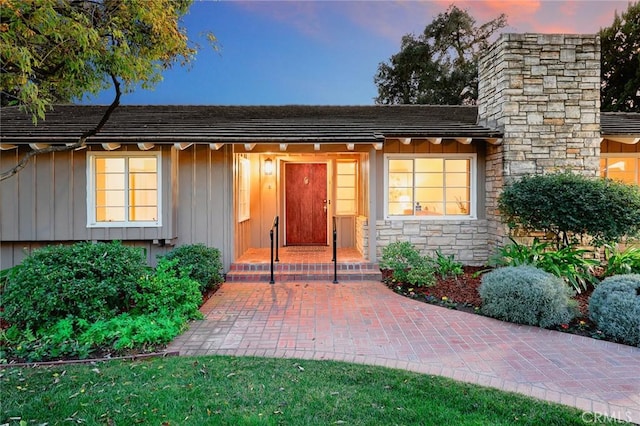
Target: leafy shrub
x,y
621,262
526,295
615,307
569,205
407,265
83,280
446,265
568,263
168,290
204,262
133,331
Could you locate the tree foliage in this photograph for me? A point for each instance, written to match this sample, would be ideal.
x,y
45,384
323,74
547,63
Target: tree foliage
x,y
441,65
571,206
620,57
60,50
57,51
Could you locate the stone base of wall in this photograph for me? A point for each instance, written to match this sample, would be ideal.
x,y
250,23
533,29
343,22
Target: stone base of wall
x,y
465,240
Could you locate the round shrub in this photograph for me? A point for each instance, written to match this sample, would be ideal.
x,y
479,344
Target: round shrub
x,y
83,280
615,307
567,205
204,264
526,295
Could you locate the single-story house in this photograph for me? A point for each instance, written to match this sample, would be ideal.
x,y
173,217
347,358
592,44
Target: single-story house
x,y
161,176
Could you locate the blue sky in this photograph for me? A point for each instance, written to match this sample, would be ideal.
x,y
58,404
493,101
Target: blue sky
x,y
327,52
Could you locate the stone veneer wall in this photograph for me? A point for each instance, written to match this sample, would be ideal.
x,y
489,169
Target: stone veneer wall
x,y
465,239
362,235
543,92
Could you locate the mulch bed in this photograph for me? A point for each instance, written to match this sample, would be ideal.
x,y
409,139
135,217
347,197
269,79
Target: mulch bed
x,y
461,293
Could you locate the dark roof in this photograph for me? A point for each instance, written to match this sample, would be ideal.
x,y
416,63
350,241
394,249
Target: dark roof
x,y
620,123
239,124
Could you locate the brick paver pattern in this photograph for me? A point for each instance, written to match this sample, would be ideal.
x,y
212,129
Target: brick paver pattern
x,y
365,322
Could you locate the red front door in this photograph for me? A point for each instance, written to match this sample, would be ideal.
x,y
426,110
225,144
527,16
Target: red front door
x,y
306,203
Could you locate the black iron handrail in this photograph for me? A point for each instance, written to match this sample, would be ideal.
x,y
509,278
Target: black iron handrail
x,y
335,252
276,225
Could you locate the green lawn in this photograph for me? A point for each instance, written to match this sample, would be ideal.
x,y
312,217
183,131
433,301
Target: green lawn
x,y
241,391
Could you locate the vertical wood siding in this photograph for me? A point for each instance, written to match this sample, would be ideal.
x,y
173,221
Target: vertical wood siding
x,y
46,203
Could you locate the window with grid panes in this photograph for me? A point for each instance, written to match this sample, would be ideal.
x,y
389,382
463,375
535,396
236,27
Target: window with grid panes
x,y
346,184
123,189
429,186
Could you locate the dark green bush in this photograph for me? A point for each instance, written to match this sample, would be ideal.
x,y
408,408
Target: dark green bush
x,y
83,280
571,264
204,264
526,295
169,290
406,264
615,307
569,205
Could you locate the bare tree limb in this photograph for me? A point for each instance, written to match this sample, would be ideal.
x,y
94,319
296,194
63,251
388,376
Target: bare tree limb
x,y
62,148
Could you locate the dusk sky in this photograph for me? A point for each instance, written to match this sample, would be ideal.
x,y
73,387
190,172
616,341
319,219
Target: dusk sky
x,y
327,52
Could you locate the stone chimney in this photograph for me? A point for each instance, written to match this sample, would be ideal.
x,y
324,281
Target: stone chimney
x,y
543,92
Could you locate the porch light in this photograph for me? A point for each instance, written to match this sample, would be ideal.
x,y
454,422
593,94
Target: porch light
x,y
268,167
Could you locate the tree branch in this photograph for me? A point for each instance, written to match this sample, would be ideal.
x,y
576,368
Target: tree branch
x,y
81,140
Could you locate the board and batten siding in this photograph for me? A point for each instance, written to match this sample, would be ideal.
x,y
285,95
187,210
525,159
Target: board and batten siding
x,y
46,203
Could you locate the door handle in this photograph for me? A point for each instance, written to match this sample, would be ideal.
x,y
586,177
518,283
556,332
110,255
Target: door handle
x,y
324,207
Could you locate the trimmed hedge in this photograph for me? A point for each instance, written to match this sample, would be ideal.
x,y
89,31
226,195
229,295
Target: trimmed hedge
x,y
526,295
615,307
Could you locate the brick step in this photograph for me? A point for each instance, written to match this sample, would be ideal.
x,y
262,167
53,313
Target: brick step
x,y
258,272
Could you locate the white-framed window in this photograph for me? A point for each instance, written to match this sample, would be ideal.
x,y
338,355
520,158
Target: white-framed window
x,y
346,187
430,186
244,189
621,166
123,189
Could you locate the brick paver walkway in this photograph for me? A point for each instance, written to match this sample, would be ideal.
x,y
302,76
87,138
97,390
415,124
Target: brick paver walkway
x,y
364,322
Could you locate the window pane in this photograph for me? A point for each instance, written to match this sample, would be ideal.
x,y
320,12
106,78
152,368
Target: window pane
x,y
429,165
346,168
143,214
143,181
400,201
110,214
400,166
459,166
429,180
457,179
143,198
400,180
346,193
142,164
110,198
110,165
347,180
458,208
110,181
457,194
345,207
622,168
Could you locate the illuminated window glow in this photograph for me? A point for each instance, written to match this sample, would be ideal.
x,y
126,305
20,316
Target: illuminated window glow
x,y
430,186
124,189
625,168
